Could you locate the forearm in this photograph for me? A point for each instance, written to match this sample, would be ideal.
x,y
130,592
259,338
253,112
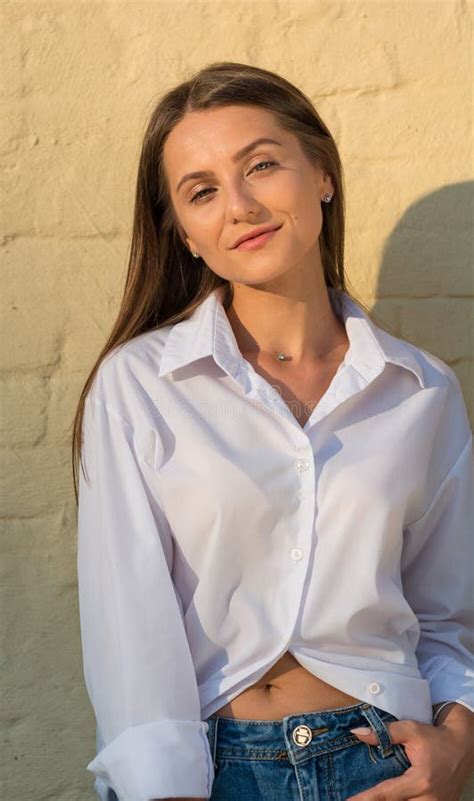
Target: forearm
x,y
458,720
456,715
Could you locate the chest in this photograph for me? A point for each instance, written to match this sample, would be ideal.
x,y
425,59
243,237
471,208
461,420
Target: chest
x,y
230,470
300,388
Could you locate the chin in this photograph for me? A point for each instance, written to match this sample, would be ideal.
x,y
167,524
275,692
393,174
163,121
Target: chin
x,y
256,271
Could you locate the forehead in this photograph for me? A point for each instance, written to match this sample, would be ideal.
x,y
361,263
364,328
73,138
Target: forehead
x,y
203,136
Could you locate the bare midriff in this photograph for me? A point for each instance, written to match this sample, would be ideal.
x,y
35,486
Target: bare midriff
x,y
286,689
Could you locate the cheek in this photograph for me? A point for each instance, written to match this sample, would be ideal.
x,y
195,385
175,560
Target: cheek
x,y
306,218
297,196
203,230
309,219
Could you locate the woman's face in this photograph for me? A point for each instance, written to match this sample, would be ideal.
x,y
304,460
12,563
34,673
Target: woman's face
x,y
270,184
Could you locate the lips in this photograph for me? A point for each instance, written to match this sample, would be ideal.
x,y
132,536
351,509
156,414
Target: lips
x,y
256,232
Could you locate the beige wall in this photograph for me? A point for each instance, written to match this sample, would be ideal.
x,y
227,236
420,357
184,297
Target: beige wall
x,y
391,79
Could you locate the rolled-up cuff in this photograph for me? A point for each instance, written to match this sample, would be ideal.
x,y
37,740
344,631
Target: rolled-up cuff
x,y
454,682
163,759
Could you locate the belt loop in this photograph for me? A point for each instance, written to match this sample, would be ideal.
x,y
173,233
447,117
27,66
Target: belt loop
x,y
381,730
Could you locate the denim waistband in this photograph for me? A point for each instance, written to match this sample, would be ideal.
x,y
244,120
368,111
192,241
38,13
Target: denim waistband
x,y
296,737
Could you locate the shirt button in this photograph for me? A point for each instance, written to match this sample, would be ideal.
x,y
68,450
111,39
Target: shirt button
x,y
374,688
297,553
302,464
273,392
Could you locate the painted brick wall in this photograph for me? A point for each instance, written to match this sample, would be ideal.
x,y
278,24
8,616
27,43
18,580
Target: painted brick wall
x,y
391,79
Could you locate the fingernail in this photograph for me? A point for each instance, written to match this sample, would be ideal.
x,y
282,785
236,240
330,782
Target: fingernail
x,y
362,730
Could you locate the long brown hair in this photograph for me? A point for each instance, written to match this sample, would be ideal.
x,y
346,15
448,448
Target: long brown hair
x,y
164,282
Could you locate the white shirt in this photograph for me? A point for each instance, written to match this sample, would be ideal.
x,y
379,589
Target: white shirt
x,y
215,533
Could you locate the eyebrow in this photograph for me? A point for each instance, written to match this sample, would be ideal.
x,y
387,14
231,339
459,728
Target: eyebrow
x,y
263,140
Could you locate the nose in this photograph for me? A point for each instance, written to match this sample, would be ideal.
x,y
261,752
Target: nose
x,y
241,203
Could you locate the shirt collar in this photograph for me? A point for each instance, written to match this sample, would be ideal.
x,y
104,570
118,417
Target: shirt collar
x,y
207,332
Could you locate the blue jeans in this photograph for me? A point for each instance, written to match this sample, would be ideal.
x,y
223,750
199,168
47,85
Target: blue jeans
x,y
306,757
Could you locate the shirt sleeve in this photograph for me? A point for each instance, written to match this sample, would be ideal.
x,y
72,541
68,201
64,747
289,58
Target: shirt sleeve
x,y
437,566
138,668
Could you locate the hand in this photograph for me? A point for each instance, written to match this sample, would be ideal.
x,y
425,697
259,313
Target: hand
x,y
442,758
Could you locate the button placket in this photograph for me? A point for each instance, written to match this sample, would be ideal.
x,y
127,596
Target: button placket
x,y
302,465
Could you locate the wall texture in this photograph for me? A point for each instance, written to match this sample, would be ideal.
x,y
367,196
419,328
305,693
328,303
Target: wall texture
x,y
391,79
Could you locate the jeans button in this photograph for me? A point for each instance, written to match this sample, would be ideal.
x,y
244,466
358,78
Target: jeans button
x,y
302,735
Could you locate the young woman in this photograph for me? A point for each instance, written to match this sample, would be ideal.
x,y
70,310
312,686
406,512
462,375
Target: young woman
x,y
273,523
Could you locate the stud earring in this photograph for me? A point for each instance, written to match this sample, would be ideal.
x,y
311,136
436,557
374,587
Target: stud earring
x,y
327,198
196,255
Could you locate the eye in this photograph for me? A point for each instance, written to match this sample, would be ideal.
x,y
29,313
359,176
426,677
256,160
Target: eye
x,y
198,197
262,162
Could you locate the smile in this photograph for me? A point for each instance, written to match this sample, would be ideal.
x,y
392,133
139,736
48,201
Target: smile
x,y
257,241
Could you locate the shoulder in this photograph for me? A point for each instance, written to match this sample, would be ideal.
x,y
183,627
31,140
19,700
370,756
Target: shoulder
x,y
439,401
127,378
436,372
433,371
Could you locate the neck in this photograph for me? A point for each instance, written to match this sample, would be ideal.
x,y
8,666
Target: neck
x,y
303,327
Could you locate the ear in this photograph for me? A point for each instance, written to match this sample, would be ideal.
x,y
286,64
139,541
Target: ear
x,y
192,246
322,179
182,235
328,185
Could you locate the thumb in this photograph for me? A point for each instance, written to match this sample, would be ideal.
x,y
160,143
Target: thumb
x,y
366,735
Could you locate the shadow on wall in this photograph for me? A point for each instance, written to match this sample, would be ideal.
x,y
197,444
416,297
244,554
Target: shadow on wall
x,y
426,280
